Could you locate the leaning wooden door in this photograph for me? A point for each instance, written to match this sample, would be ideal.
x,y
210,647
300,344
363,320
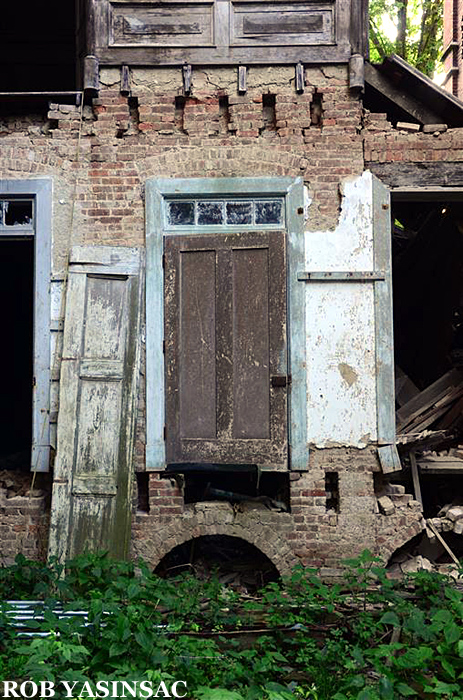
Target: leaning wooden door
x,y
225,349
91,506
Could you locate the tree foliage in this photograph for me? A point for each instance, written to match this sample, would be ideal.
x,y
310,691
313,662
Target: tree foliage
x,y
418,27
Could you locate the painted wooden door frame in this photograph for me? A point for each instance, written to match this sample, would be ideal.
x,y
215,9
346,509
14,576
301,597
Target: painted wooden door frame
x,y
157,191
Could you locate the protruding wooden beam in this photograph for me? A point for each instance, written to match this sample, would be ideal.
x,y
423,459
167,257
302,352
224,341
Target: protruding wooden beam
x,y
299,77
125,80
356,72
242,79
187,73
91,75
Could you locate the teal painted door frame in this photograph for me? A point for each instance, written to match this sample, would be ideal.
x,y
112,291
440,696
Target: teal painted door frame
x,y
158,191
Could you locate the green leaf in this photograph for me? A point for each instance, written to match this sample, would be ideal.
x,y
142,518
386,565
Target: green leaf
x,y
449,668
452,633
386,689
460,648
405,690
390,618
217,694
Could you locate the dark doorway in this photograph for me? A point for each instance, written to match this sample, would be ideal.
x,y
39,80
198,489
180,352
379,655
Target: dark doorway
x,y
38,46
16,352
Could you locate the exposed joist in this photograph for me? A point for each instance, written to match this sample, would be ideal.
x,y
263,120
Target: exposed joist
x,y
399,96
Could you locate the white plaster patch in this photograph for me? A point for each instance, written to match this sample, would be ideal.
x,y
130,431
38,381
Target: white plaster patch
x,y
341,372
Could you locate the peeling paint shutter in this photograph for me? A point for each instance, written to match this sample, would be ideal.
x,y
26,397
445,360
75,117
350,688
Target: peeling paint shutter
x,y
92,492
226,360
384,340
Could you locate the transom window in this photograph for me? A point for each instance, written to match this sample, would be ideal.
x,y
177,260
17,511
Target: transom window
x,y
225,212
15,214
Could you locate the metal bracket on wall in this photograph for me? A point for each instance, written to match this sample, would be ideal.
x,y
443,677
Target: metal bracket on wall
x,y
375,276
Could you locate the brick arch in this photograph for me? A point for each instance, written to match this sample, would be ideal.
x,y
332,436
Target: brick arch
x,y
224,161
261,536
400,538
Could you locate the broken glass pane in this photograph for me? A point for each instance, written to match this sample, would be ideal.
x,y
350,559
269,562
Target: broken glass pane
x,y
210,213
269,212
239,213
181,213
17,213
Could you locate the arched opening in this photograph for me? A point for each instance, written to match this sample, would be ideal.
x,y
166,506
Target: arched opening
x,y
234,561
426,551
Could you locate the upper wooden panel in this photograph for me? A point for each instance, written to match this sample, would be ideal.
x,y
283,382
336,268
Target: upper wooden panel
x,y
224,31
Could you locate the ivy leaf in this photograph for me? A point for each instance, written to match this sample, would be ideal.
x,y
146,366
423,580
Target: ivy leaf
x,y
405,690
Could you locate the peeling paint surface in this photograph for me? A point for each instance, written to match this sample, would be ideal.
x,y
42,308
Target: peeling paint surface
x,y
341,376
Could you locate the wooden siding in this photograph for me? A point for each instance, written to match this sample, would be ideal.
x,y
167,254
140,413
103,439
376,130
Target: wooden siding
x,y
222,31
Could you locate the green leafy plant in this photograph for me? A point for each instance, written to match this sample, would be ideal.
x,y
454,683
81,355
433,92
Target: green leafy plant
x,y
365,637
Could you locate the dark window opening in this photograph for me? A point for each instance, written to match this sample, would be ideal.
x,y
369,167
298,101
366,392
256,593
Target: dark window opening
x,y
428,289
143,500
269,112
16,353
332,491
179,117
38,46
265,489
224,114
237,563
316,109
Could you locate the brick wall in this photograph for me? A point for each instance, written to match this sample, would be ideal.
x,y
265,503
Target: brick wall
x,y
100,157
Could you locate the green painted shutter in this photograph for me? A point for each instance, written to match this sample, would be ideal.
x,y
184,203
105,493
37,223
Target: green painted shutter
x,y
92,492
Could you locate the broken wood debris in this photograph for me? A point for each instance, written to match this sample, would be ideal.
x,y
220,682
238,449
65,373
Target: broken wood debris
x,y
431,404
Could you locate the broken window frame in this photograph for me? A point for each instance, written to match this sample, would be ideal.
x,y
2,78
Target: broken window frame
x,y
40,192
158,192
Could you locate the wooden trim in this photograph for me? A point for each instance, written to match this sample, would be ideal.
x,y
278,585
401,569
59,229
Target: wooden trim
x,y
384,344
41,190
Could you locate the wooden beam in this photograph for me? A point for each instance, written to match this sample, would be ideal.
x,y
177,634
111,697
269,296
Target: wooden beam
x,y
400,97
300,77
186,73
125,80
407,175
416,478
91,75
242,78
443,542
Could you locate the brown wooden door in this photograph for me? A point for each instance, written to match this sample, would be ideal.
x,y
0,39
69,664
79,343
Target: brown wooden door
x,y
225,344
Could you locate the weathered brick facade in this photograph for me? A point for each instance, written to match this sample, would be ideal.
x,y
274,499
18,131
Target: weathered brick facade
x,y
99,158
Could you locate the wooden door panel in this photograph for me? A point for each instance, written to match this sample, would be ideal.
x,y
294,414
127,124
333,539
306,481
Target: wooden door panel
x,y
225,330
92,491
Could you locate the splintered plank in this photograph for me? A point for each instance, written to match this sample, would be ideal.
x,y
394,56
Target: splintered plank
x,y
440,393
